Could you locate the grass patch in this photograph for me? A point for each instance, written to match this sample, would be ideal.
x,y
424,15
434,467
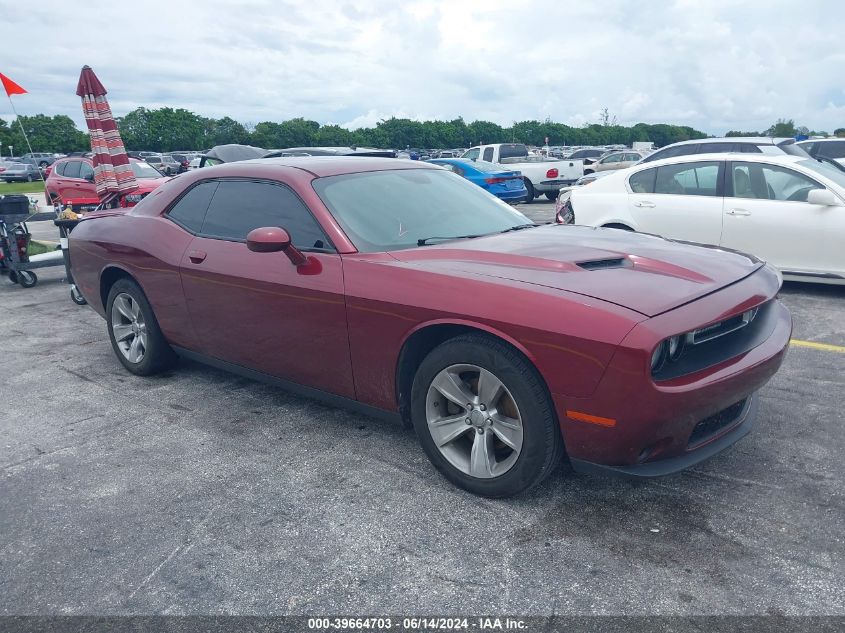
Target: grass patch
x,y
21,187
37,248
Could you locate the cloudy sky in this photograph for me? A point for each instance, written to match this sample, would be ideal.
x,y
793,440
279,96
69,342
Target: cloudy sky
x,y
712,64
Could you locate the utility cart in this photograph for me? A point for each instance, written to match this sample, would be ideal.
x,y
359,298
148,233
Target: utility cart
x,y
14,243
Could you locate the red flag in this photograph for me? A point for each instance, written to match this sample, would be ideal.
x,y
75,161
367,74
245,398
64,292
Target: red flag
x,y
11,87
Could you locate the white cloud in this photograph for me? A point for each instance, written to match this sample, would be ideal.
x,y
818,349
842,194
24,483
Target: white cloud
x,y
715,65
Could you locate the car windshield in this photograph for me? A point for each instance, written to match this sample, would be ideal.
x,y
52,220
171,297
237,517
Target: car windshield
x,y
826,170
392,210
143,170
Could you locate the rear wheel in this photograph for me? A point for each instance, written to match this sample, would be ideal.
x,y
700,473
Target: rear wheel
x,y
483,417
135,336
551,195
529,198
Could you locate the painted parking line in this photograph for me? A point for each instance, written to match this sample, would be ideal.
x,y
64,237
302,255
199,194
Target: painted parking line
x,y
827,347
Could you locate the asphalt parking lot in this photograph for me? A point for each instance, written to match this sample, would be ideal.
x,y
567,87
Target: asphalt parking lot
x,y
201,492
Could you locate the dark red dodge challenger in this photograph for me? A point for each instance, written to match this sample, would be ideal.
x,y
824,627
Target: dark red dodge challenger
x,y
403,290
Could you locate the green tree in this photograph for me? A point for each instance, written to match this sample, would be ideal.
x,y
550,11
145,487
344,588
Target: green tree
x,y
46,134
840,132
783,127
224,131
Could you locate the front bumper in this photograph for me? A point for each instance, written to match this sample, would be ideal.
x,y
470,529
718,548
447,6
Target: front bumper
x,y
737,430
632,422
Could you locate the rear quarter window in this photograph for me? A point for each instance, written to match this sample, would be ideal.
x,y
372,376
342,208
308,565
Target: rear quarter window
x,y
189,211
643,181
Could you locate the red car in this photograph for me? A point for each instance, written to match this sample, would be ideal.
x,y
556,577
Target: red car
x,y
71,181
401,289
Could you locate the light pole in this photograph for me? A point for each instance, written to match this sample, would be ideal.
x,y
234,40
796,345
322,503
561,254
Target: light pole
x,y
11,150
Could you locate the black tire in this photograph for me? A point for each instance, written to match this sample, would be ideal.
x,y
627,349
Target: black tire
x,y
77,297
13,277
542,446
551,195
27,278
29,178
158,355
529,198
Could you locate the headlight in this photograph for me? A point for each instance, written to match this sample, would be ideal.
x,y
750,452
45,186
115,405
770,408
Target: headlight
x,y
676,346
658,357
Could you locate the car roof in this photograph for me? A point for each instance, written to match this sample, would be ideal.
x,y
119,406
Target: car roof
x,y
757,140
784,159
322,166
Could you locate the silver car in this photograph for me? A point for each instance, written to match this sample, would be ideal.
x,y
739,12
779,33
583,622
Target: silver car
x,y
20,172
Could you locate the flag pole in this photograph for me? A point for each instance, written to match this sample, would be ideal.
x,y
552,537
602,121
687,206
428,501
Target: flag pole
x,y
26,138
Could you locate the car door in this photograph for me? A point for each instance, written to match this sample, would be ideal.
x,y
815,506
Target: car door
x,y
70,183
258,310
679,201
767,215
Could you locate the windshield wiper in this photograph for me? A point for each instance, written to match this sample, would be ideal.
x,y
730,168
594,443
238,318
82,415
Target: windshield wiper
x,y
519,227
425,240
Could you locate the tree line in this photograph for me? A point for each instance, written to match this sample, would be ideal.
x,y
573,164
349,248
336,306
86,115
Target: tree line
x,y
168,129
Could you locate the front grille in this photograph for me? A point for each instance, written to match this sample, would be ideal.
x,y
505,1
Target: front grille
x,y
711,426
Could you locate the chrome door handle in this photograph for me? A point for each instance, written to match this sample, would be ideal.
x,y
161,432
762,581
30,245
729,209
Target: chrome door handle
x,y
739,212
645,204
197,257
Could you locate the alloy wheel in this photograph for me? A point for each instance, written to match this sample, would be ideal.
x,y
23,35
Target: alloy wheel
x,y
128,327
474,421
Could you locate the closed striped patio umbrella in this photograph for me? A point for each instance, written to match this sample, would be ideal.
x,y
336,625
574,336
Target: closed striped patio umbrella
x,y
113,174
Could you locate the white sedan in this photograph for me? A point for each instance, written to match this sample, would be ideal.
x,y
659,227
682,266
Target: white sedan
x,y
787,210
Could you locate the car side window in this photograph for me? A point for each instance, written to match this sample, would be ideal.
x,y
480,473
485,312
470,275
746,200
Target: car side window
x,y
688,179
72,169
60,169
190,209
85,170
643,181
831,149
488,154
473,153
716,148
770,182
669,152
239,206
749,148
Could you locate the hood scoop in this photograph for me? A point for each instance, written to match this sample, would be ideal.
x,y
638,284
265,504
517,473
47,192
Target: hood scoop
x,y
602,264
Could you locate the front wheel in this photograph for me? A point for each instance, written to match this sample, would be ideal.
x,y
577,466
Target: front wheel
x,y
135,336
551,195
484,418
77,297
27,278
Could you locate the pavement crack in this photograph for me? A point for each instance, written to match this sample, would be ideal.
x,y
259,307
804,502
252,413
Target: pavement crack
x,y
181,549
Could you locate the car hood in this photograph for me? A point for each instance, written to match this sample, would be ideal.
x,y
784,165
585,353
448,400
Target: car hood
x,y
640,272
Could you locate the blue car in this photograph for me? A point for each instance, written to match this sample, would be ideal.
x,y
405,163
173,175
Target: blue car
x,y
505,185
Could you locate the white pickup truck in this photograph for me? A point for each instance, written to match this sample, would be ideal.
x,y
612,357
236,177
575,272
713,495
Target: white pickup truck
x,y
541,175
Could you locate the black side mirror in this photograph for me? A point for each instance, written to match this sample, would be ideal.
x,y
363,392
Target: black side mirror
x,y
89,177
